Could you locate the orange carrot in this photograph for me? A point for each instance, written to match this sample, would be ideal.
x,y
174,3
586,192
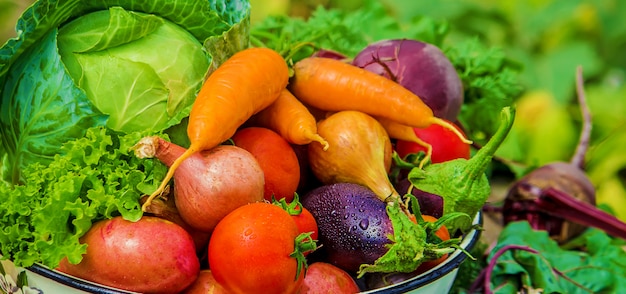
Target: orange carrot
x,y
333,85
247,82
402,132
291,119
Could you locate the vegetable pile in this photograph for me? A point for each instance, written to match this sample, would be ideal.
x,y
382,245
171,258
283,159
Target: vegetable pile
x,y
312,163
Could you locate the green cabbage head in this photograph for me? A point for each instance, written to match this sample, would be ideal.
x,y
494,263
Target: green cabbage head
x,y
129,65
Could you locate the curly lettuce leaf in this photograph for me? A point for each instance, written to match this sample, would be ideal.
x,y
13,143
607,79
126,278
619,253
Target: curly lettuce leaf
x,y
98,177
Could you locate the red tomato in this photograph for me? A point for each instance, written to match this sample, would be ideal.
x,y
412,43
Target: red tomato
x,y
250,248
304,219
277,159
306,223
444,235
446,144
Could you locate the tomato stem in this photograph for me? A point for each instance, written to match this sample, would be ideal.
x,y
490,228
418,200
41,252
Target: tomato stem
x,y
293,208
303,243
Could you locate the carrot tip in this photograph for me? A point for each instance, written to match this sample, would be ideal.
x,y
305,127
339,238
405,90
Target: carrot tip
x,y
323,142
429,153
315,137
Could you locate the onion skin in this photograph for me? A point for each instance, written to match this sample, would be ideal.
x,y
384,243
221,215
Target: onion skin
x,y
211,183
359,152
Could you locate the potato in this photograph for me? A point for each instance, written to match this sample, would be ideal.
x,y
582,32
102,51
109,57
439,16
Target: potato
x,y
151,255
322,277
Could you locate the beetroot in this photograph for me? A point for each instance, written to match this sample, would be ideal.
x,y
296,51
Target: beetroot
x,y
558,197
420,67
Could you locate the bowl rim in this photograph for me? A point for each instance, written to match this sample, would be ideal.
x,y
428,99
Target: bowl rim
x,y
434,274
74,282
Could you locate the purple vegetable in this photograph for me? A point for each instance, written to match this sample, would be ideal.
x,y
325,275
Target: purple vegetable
x,y
420,67
329,54
558,197
353,224
430,204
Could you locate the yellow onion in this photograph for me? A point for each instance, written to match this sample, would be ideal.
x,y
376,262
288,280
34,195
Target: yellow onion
x,y
359,152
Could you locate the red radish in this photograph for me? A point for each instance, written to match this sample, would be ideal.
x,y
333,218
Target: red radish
x,y
151,255
209,184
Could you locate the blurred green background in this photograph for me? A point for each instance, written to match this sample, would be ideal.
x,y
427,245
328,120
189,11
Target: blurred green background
x,y
548,38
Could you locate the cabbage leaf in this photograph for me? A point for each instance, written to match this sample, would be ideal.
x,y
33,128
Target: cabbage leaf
x,y
65,161
48,81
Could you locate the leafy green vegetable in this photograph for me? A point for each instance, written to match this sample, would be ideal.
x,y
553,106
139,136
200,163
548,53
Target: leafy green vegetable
x,y
470,269
347,32
594,264
117,58
490,82
130,65
462,183
97,177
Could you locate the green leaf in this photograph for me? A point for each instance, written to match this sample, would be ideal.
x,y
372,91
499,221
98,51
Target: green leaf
x,y
595,265
412,243
114,55
97,178
38,117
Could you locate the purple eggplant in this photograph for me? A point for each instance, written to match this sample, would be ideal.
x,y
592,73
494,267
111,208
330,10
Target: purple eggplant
x,y
362,234
353,224
429,203
420,67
